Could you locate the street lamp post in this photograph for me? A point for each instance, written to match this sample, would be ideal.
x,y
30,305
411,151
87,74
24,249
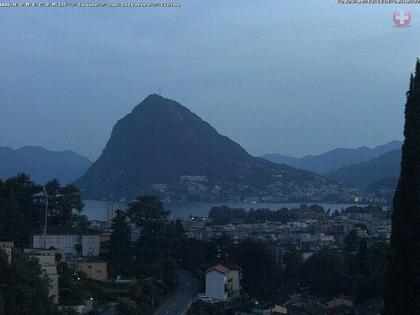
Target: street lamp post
x,y
45,217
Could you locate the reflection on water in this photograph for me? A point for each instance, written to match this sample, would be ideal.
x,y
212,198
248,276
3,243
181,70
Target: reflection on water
x,y
97,209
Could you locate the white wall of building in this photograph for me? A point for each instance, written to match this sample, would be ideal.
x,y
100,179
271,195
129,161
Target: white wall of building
x,y
215,285
90,244
64,242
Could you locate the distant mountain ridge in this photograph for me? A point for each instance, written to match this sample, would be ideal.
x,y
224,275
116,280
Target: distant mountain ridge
x,y
334,159
161,140
367,173
42,165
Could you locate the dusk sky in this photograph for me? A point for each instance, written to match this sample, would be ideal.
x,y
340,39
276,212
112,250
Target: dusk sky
x,y
295,77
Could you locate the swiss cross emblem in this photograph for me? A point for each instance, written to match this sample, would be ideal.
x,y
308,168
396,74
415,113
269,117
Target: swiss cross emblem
x,y
402,18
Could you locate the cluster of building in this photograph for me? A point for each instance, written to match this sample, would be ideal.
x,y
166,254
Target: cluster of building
x,y
310,233
197,187
313,233
81,252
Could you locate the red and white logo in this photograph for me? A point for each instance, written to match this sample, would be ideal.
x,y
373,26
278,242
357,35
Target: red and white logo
x,y
402,18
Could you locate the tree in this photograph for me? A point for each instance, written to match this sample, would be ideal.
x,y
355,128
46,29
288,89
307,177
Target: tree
x,y
20,210
61,204
147,212
359,276
72,286
120,250
22,205
293,261
168,271
159,242
22,288
261,275
125,308
325,274
351,242
402,293
362,258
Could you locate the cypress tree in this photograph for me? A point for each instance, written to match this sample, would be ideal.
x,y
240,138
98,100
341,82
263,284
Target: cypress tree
x,y
402,287
120,251
362,258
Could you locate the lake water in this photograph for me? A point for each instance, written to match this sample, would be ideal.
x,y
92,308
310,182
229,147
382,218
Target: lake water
x,y
97,209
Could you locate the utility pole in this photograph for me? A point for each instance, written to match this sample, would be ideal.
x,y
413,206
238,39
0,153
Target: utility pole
x,y
46,216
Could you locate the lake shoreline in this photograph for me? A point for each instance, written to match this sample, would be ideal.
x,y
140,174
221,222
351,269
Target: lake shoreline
x,y
97,209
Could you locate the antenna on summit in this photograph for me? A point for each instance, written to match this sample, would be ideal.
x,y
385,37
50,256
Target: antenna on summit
x,y
160,91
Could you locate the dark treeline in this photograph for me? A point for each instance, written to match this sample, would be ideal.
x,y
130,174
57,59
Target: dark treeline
x,y
225,215
152,259
22,205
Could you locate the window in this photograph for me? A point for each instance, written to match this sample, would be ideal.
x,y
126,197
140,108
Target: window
x,y
99,273
91,240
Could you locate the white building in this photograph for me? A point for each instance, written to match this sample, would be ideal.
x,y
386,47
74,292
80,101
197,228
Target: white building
x,y
72,245
222,282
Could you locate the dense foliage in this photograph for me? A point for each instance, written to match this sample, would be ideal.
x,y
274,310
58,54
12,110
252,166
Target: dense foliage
x,y
72,286
65,206
120,256
23,289
225,215
22,205
152,259
20,209
402,295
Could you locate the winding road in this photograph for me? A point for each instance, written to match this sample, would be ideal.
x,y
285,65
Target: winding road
x,y
185,294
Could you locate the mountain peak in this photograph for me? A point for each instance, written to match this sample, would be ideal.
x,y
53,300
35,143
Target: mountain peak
x,y
154,99
155,96
155,106
160,142
157,100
